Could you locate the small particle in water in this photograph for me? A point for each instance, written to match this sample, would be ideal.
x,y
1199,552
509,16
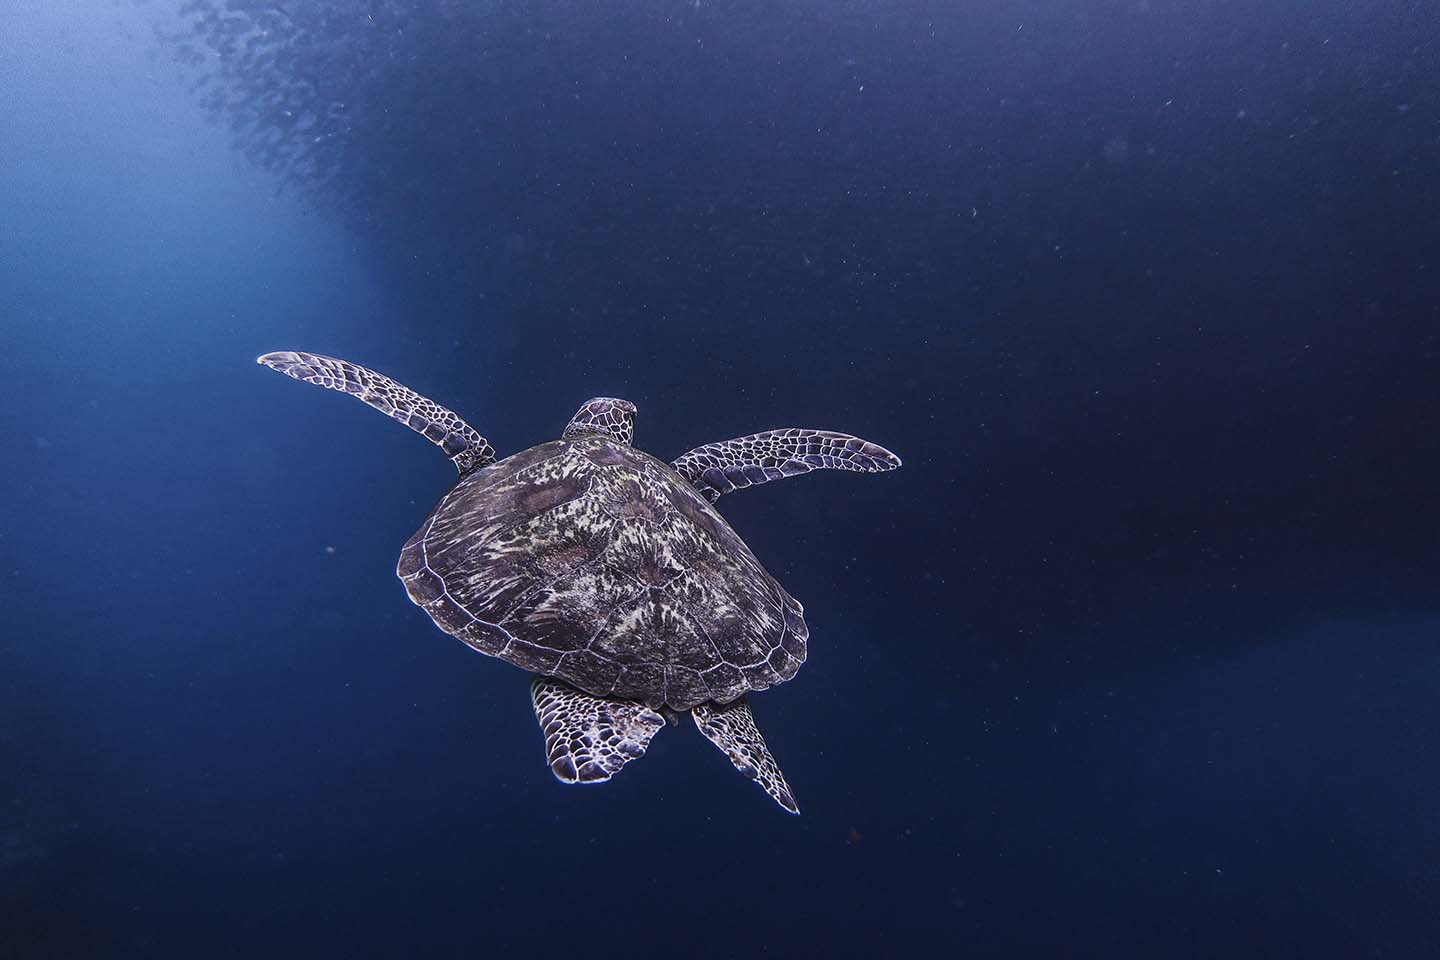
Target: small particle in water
x,y
330,551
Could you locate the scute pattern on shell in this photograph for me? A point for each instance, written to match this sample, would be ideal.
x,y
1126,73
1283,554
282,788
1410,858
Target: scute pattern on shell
x,y
595,563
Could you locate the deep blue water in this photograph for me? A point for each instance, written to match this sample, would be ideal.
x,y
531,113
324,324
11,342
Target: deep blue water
x,y
1136,656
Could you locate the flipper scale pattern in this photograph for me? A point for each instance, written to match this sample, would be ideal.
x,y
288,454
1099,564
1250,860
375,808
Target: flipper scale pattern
x,y
461,442
588,739
732,728
715,469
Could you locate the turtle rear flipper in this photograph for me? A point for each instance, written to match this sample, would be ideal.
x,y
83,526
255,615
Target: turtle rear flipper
x,y
588,739
732,729
461,442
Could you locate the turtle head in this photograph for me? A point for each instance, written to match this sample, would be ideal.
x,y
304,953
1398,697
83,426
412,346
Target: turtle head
x,y
606,416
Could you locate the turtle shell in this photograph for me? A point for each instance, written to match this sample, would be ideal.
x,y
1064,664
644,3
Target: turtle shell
x,y
597,564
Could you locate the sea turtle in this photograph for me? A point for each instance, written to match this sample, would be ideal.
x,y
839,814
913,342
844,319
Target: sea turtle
x,y
606,573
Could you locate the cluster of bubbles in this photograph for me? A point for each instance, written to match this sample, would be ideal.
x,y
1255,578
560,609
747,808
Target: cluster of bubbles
x,y
326,94
453,135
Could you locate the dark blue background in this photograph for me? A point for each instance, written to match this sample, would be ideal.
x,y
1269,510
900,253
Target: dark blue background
x,y
1136,655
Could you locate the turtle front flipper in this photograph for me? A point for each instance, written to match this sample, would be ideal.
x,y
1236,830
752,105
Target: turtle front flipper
x,y
732,729
461,442
717,468
588,739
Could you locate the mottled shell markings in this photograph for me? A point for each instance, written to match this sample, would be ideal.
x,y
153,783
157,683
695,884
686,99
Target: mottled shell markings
x,y
624,582
607,572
